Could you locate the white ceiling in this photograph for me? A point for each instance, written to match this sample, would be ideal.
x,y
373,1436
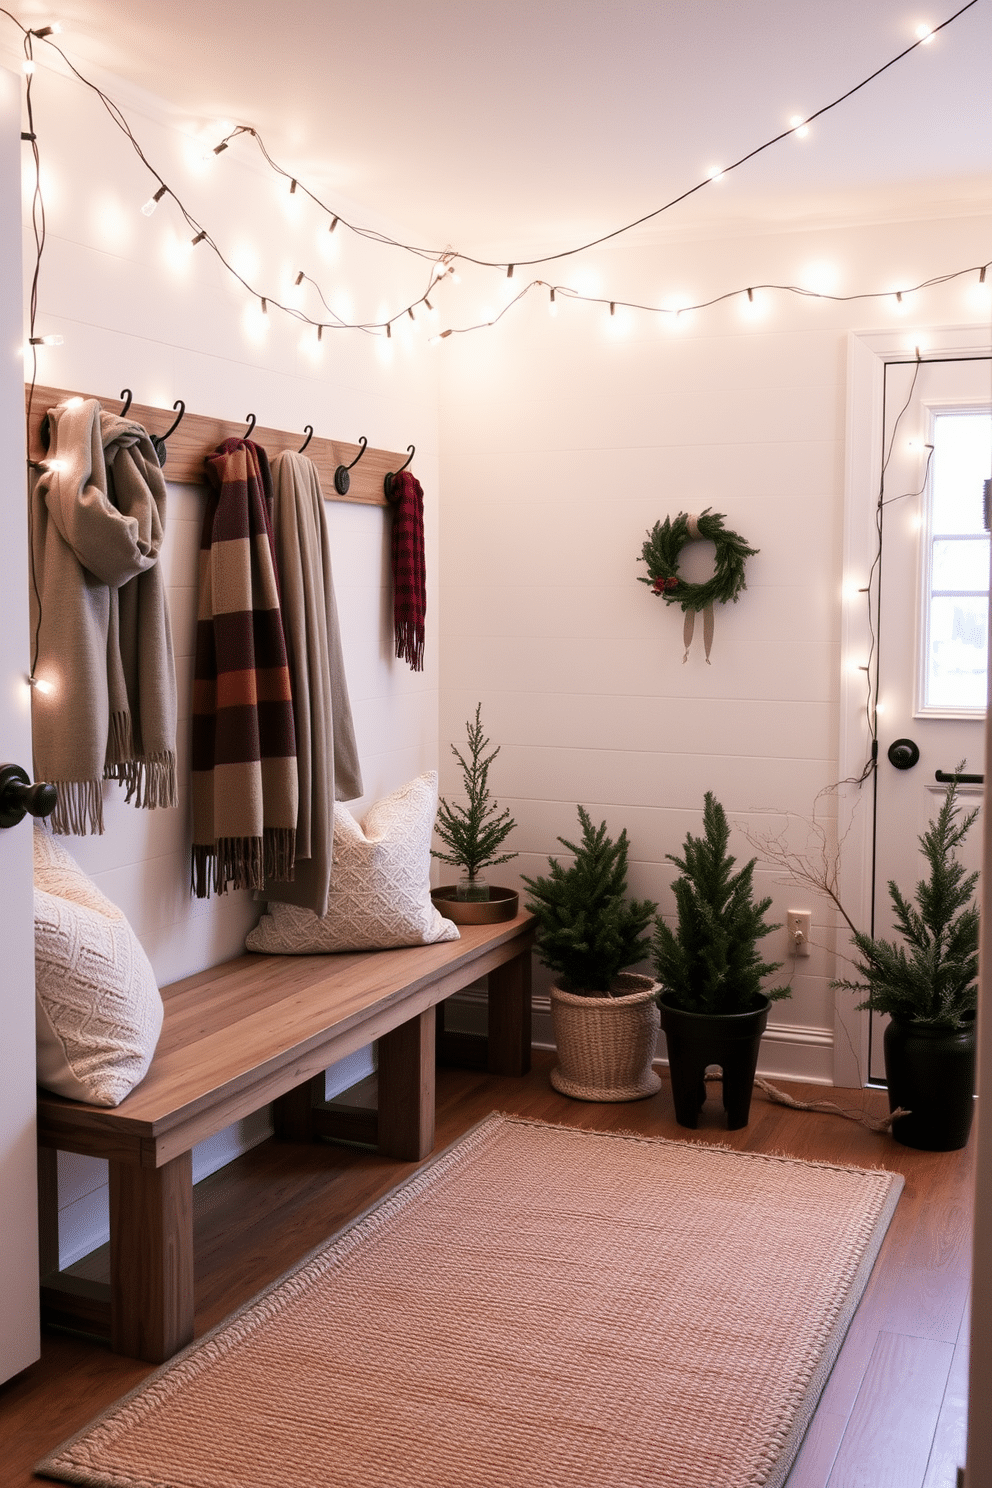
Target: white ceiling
x,y
540,123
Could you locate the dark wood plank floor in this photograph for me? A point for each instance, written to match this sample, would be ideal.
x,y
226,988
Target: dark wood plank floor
x,y
892,1414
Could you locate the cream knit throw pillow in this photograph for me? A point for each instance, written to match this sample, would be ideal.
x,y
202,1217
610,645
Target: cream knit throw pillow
x,y
99,1011
380,884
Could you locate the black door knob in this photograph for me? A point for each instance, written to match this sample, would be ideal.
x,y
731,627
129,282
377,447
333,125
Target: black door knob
x,y
903,753
18,796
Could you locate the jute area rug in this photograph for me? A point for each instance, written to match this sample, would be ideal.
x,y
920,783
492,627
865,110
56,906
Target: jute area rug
x,y
539,1307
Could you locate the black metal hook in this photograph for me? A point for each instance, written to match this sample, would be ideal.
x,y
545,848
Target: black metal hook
x,y
387,484
251,424
127,395
308,431
342,480
158,440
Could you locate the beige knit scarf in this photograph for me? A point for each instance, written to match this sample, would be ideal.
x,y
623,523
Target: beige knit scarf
x,y
100,616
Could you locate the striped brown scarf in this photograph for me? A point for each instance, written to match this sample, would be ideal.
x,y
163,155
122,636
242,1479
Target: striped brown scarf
x,y
244,779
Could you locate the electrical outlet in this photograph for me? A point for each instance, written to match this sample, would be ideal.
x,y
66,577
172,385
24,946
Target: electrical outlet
x,y
799,924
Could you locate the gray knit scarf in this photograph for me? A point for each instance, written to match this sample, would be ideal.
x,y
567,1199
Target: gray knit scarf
x,y
100,614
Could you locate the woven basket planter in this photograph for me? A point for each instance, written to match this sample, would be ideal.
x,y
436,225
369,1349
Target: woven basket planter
x,y
606,1044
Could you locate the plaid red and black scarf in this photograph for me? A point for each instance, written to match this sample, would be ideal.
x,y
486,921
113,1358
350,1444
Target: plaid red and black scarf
x,y
409,568
244,772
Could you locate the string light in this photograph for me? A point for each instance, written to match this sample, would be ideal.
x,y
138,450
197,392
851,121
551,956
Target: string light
x,y
443,262
299,279
55,29
153,201
52,340
799,126
552,303
925,33
40,685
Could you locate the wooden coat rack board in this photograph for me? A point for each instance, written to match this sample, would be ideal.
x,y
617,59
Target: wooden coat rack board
x,y
198,436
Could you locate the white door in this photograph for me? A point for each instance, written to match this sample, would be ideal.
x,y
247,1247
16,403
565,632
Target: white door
x,y
933,616
19,1333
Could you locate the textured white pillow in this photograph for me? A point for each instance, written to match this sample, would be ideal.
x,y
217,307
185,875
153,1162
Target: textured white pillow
x,y
99,1011
380,884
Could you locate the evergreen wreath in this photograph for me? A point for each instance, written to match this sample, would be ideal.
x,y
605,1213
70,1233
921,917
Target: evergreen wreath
x,y
664,544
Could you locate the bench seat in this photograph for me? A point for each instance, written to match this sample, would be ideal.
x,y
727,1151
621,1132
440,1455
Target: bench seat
x,y
254,1030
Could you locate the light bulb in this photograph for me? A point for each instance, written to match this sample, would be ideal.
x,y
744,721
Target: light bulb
x,y
153,201
53,340
799,126
716,174
924,33
28,67
40,685
552,305
434,340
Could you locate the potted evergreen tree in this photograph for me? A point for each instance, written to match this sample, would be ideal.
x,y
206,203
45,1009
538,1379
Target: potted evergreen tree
x,y
713,1005
588,930
473,835
928,986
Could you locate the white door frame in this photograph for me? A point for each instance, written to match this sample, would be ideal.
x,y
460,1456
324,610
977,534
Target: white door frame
x,y
19,1327
868,353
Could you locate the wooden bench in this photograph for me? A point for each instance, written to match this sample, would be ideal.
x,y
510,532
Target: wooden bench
x,y
255,1030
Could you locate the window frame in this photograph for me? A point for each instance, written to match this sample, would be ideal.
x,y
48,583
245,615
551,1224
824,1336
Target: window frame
x,y
921,708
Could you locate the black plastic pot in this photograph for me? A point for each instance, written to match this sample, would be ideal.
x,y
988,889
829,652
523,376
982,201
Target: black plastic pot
x,y
696,1040
931,1074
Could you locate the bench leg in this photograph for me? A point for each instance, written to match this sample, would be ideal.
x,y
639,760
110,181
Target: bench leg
x,y
406,1089
509,1017
151,1258
293,1113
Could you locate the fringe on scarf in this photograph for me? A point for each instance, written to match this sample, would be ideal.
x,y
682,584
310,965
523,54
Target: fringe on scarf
x,y
79,808
120,745
152,781
873,1123
243,862
410,643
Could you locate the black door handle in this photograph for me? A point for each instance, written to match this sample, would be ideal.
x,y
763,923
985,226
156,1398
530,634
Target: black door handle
x,y
18,796
903,753
945,777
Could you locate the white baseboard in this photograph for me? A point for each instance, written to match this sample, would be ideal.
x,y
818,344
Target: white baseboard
x,y
788,1051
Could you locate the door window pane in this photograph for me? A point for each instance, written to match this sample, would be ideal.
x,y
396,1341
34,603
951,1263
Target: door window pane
x,y
955,673
958,652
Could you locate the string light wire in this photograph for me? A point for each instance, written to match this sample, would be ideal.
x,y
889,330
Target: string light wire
x,y
443,261
508,265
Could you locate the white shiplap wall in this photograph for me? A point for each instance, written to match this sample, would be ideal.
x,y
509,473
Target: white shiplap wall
x,y
138,307
563,441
